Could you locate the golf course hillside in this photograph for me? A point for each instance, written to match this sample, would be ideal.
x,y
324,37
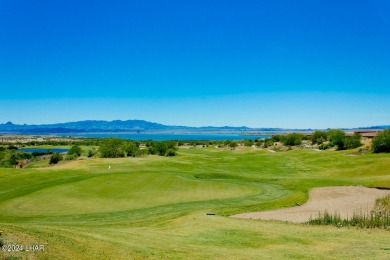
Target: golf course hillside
x,y
180,207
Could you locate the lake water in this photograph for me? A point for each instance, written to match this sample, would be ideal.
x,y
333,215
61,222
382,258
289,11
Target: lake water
x,y
164,137
42,150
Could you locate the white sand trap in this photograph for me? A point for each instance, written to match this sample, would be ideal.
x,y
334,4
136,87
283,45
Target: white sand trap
x,y
345,200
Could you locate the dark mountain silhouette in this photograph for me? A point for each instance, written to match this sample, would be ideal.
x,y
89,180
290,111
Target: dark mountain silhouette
x,y
106,126
139,126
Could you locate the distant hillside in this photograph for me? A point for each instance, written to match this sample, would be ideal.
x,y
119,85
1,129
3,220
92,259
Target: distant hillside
x,y
106,126
139,126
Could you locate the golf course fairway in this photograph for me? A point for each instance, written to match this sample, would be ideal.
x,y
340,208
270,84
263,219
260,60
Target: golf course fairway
x,y
159,207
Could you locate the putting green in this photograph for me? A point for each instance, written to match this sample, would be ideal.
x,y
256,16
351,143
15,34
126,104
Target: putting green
x,y
117,192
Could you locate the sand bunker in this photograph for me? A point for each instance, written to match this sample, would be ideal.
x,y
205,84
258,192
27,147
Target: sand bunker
x,y
345,200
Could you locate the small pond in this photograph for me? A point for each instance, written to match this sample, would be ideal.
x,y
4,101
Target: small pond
x,y
43,150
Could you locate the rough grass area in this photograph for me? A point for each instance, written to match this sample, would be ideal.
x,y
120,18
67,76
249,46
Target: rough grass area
x,y
379,217
383,204
155,207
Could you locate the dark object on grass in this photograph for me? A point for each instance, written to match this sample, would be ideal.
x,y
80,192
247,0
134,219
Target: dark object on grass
x,y
210,214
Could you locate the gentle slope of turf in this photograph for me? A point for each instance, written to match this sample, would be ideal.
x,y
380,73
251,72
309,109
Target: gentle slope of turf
x,y
156,206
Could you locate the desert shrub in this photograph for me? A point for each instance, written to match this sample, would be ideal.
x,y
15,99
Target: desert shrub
x,y
268,142
293,139
381,143
9,158
171,152
278,138
149,143
248,142
70,157
319,137
337,138
173,144
233,145
111,148
132,149
142,152
55,158
75,150
259,142
352,142
91,152
152,150
325,146
161,148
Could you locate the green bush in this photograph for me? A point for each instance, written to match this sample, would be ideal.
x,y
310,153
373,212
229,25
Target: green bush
x,y
75,150
278,138
352,142
381,143
70,157
319,137
10,158
268,142
111,148
171,152
325,146
259,142
132,149
55,158
337,138
293,139
152,150
248,142
233,145
161,148
91,152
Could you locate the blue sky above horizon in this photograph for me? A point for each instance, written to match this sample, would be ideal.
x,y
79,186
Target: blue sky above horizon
x,y
304,64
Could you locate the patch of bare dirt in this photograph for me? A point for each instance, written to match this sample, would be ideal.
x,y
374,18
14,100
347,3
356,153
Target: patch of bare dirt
x,y
345,200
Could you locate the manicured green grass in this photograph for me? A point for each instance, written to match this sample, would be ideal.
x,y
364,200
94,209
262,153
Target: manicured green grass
x,y
155,207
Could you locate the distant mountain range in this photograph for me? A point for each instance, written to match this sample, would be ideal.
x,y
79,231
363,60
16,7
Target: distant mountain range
x,y
135,126
91,126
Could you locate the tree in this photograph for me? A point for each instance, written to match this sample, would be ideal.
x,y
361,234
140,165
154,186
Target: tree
x,y
381,143
111,148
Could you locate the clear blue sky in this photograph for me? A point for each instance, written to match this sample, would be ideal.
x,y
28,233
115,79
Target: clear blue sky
x,y
297,63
